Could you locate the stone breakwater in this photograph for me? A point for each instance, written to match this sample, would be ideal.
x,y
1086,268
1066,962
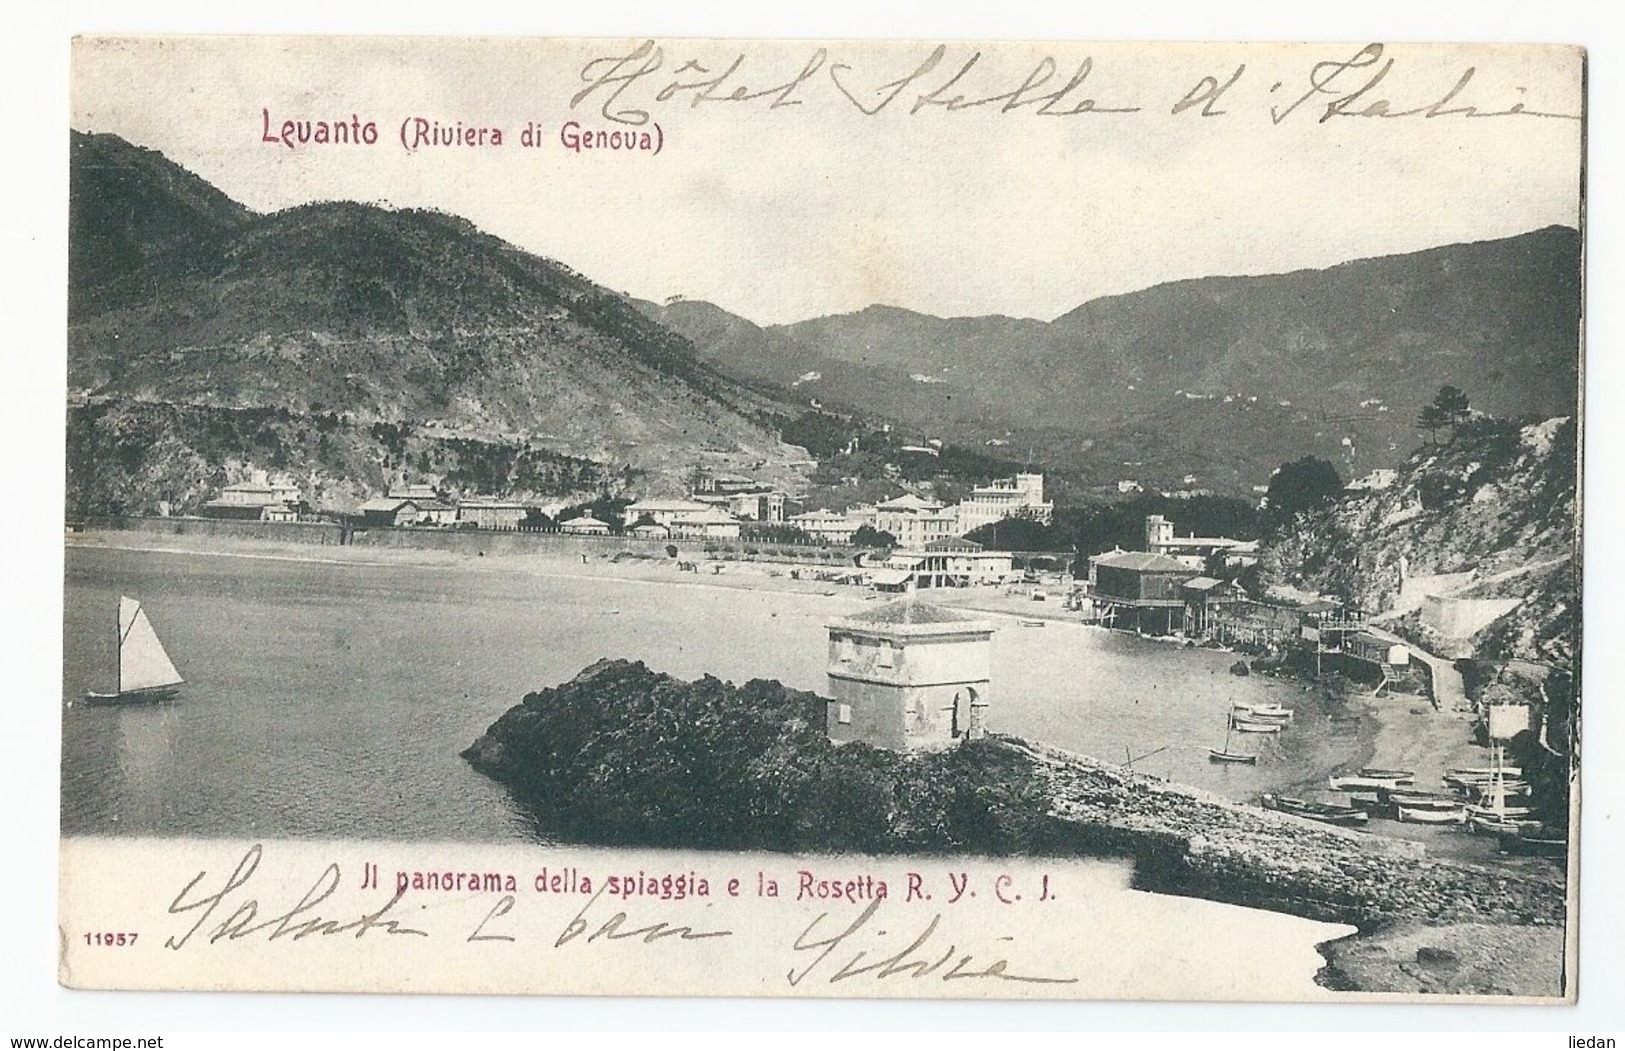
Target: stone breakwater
x,y
1190,842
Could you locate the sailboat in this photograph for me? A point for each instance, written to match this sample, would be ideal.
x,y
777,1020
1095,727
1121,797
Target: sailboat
x,y
145,672
1493,812
1225,755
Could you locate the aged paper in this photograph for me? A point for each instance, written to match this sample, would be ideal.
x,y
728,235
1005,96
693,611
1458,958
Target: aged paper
x,y
928,519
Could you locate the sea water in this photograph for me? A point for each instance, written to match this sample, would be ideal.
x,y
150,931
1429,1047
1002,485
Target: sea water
x,y
330,699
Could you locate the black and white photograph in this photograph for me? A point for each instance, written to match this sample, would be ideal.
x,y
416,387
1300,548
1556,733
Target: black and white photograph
x,y
801,518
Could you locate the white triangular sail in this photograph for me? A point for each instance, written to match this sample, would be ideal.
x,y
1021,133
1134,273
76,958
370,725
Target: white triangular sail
x,y
142,662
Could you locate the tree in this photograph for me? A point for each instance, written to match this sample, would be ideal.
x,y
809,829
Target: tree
x,y
1447,409
1302,485
869,536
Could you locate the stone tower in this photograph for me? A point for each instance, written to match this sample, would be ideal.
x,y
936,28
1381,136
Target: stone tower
x,y
908,676
1158,531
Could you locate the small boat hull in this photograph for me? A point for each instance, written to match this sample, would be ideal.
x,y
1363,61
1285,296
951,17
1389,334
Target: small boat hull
x,y
1216,755
1249,726
1432,816
99,699
1326,813
1534,846
1492,826
1403,777
1483,772
1360,784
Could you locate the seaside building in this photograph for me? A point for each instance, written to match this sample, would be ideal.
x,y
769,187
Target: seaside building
x,y
1018,497
649,531
754,505
915,521
422,492
491,514
662,512
1142,587
826,525
1194,551
708,523
584,525
257,499
389,511
908,676
954,562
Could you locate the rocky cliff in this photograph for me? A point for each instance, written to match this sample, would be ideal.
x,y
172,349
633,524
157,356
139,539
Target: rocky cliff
x,y
1486,513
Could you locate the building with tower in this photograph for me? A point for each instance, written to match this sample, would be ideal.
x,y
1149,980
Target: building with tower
x,y
909,676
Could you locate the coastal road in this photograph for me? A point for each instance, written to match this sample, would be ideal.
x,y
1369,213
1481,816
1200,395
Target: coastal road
x,y
1449,692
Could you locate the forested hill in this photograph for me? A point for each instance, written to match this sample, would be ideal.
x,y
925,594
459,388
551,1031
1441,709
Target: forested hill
x,y
414,320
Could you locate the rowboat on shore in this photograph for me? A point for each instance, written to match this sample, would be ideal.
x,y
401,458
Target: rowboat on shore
x,y
1482,772
1426,815
1253,726
1329,813
1495,826
1031,623
1404,777
1263,712
1408,797
1534,843
1225,755
1359,783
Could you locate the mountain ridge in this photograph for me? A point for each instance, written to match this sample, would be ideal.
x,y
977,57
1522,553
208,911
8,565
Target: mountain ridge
x,y
402,317
1336,361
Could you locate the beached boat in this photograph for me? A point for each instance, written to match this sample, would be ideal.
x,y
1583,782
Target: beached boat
x,y
1404,777
1483,772
1031,623
1495,826
145,672
1225,755
1409,797
1534,843
1495,807
1427,815
1265,711
1358,783
1330,813
1253,726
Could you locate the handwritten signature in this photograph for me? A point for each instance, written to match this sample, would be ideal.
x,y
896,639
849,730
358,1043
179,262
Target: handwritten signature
x,y
919,958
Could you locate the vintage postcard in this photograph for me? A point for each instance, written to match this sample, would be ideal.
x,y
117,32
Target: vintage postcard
x,y
823,518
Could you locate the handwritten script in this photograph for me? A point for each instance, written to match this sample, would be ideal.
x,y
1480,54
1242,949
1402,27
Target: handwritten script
x,y
880,943
626,88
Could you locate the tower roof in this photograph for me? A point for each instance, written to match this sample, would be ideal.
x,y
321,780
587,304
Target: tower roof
x,y
910,617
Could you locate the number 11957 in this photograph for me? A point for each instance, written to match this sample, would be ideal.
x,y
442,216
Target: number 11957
x,y
110,938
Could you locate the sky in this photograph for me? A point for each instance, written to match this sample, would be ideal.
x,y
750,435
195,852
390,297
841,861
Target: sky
x,y
813,206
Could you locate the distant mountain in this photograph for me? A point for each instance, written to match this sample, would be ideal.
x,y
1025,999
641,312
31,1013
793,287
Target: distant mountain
x,y
128,205
405,318
1221,377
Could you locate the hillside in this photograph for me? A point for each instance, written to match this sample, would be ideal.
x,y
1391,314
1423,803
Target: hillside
x,y
1217,376
406,318
1487,514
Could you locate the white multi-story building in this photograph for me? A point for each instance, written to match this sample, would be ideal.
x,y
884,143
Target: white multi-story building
x,y
915,521
1018,497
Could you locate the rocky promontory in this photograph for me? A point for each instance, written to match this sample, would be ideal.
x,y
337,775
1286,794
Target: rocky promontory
x,y
621,755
